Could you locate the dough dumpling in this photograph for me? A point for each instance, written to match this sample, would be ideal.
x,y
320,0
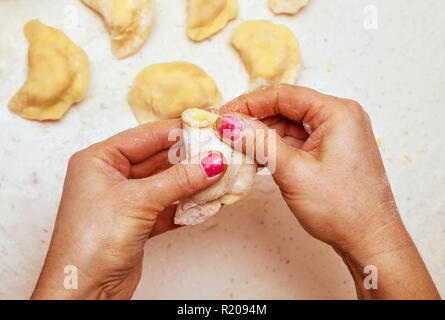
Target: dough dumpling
x,y
57,75
199,137
205,18
269,51
287,6
128,22
163,91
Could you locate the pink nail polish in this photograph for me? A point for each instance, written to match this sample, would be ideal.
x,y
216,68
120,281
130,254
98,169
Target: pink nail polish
x,y
231,128
212,164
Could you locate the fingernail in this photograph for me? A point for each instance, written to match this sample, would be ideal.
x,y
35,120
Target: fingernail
x,y
230,128
213,164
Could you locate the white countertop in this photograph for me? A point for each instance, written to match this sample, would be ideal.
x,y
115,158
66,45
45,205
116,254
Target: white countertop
x,y
255,248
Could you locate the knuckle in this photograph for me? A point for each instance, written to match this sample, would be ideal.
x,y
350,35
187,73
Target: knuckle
x,y
366,116
354,105
184,179
352,109
84,156
77,157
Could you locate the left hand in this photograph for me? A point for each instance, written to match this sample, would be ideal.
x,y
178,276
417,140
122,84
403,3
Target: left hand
x,y
117,194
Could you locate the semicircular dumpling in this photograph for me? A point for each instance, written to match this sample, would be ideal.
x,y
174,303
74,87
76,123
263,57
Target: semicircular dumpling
x,y
269,51
128,23
57,75
205,18
287,6
199,137
163,91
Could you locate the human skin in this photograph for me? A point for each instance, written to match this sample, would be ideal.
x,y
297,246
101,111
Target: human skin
x,y
117,194
331,175
328,168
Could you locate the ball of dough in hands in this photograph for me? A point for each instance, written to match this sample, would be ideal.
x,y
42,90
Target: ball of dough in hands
x,y
269,51
205,18
199,137
57,75
163,91
287,6
128,22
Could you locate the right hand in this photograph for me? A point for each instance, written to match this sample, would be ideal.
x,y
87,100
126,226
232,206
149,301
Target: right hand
x,y
328,165
331,175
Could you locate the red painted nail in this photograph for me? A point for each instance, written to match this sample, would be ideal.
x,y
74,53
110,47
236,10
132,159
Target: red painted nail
x,y
231,128
213,164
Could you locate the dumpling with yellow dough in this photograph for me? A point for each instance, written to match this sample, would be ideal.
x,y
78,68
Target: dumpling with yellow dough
x,y
205,18
163,91
128,22
200,137
269,51
57,75
287,6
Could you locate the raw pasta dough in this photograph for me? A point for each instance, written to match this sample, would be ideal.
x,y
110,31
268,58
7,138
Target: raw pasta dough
x,y
163,91
128,22
269,51
57,75
287,6
199,137
205,18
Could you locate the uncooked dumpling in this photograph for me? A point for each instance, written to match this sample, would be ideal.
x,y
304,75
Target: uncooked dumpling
x,y
57,75
163,91
269,51
199,137
287,6
205,18
128,22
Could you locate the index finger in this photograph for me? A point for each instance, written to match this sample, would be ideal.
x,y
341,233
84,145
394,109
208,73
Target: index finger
x,y
140,143
300,104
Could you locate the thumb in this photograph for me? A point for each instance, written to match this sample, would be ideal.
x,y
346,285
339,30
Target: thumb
x,y
259,142
183,180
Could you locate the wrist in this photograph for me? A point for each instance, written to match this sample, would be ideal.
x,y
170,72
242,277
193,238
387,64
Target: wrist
x,y
83,277
60,283
387,238
66,275
387,265
378,228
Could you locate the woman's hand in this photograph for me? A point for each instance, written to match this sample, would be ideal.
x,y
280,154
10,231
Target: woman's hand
x,y
330,173
113,200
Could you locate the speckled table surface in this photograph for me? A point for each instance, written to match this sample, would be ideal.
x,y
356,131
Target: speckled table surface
x,y
255,248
